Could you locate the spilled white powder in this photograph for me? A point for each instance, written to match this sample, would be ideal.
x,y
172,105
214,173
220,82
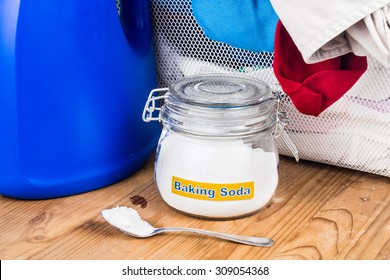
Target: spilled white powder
x,y
217,162
127,220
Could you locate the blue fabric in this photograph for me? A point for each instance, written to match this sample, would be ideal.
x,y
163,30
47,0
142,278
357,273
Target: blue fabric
x,y
245,24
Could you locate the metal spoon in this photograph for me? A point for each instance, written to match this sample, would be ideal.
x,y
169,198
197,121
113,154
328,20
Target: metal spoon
x,y
147,230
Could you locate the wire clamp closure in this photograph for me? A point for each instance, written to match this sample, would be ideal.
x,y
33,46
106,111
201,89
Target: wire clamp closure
x,y
152,105
280,132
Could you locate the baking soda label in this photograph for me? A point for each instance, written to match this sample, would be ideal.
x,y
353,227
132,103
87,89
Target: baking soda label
x,y
212,191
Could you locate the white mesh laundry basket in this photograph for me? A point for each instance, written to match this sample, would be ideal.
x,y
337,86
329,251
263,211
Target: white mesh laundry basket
x,y
353,133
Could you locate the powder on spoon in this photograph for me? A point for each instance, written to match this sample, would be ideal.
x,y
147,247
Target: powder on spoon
x,y
127,220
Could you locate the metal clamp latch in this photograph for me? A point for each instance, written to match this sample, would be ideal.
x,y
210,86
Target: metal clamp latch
x,y
281,122
152,105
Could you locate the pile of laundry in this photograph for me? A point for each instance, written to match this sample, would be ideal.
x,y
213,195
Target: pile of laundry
x,y
320,47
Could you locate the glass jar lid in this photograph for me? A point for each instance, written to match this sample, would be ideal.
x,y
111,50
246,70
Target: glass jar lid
x,y
219,105
223,91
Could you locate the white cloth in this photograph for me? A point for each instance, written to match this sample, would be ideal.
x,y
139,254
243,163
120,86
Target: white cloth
x,y
371,36
327,29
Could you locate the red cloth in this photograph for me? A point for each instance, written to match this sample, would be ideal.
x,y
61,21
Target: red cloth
x,y
313,87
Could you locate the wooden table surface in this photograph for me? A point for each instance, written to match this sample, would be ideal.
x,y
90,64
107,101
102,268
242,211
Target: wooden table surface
x,y
318,212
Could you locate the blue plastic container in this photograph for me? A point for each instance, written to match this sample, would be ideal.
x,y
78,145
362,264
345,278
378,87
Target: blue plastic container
x,y
73,84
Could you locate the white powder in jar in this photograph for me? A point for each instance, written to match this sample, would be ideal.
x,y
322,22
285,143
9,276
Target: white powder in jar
x,y
127,220
214,161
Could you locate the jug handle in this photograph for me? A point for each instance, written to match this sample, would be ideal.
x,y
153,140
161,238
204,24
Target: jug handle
x,y
135,18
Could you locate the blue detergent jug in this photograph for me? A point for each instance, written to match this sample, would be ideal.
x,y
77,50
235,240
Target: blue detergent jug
x,y
74,77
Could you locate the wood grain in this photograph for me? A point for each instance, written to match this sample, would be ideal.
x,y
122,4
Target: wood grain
x,y
318,212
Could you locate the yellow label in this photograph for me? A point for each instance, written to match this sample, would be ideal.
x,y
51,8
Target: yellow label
x,y
211,191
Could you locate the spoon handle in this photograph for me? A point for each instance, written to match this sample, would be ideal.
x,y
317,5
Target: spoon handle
x,y
249,240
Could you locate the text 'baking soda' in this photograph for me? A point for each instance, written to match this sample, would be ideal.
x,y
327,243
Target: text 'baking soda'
x,y
210,191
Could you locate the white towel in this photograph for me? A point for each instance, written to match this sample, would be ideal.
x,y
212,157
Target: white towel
x,y
327,29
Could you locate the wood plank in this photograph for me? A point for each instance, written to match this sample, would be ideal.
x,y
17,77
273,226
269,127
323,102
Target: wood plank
x,y
318,212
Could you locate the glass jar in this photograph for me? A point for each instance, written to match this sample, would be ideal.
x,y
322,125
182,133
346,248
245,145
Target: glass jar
x,y
216,157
